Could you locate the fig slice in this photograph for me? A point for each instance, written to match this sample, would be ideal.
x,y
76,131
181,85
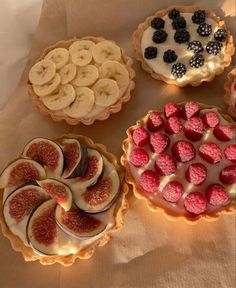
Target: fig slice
x,y
20,172
78,224
59,191
47,153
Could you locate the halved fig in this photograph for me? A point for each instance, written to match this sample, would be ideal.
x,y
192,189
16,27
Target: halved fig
x,y
59,191
78,224
47,153
20,172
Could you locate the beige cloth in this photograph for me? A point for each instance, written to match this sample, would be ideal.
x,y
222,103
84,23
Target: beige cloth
x,y
149,251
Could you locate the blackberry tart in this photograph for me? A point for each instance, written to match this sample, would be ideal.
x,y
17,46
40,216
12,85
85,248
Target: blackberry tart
x,y
230,95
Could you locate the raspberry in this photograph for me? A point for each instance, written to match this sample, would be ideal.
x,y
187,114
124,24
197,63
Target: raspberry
x,y
183,151
154,122
159,142
228,175
216,195
196,173
223,132
210,152
171,109
230,153
173,191
149,181
210,119
190,109
139,157
173,125
194,128
195,203
165,165
140,136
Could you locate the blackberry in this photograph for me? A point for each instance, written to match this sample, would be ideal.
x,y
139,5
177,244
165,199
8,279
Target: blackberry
x,y
169,56
195,46
150,52
178,70
196,61
173,14
213,47
159,36
199,16
204,29
181,36
220,35
179,23
157,23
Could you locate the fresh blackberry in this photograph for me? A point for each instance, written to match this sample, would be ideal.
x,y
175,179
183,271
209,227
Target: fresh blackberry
x,y
150,52
157,23
169,56
181,36
199,17
159,36
196,61
195,46
213,47
204,29
220,35
178,70
179,23
173,14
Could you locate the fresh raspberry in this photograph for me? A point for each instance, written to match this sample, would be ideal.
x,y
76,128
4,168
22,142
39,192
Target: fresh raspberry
x,y
173,191
173,125
154,122
230,153
210,152
171,109
159,142
196,173
210,119
223,132
228,175
183,151
194,128
140,136
165,165
139,157
149,181
195,203
190,109
216,194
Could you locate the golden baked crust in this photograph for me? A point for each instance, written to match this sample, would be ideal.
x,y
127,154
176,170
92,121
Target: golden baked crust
x,y
137,36
169,214
227,97
87,252
116,107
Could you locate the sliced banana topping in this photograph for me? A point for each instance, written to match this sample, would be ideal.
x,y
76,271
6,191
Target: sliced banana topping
x,y
81,52
86,76
67,73
60,56
79,45
106,50
42,72
48,88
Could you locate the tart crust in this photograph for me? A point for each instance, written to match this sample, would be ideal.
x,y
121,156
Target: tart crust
x,y
169,214
137,37
116,107
227,97
88,251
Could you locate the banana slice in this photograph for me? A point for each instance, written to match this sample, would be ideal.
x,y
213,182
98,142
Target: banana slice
x,y
67,73
83,104
49,87
106,92
116,71
60,100
81,52
86,76
106,50
42,72
60,56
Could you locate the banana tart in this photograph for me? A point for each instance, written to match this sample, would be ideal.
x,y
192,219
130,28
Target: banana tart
x,y
230,95
81,80
61,198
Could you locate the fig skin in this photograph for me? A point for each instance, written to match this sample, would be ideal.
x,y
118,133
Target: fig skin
x,y
81,169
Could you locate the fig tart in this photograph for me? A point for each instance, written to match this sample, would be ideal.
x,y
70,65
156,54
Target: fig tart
x,y
230,95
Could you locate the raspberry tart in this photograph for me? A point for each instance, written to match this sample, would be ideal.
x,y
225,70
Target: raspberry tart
x,y
230,96
61,198
182,161
183,45
81,80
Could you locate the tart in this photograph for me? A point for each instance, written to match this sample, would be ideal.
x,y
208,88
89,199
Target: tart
x,y
230,96
183,45
61,198
81,80
182,161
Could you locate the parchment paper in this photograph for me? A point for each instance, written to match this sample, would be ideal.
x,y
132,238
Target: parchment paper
x,y
149,251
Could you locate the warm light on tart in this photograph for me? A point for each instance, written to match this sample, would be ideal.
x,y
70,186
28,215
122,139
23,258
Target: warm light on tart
x,y
230,95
